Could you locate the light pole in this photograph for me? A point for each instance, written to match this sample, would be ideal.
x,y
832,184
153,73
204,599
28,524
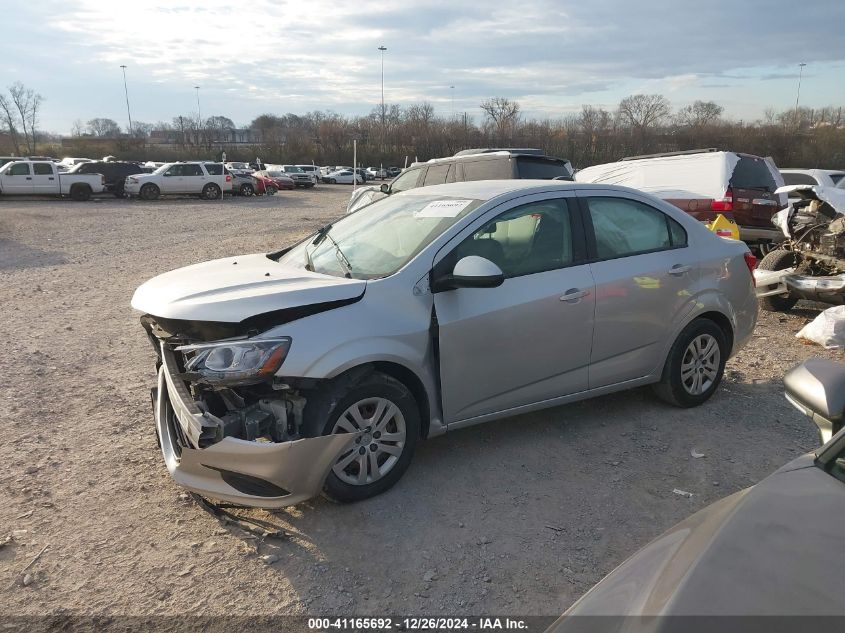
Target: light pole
x,y
452,92
199,111
382,49
798,95
126,92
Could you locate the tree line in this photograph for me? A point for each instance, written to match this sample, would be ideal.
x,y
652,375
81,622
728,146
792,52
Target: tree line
x,y
639,124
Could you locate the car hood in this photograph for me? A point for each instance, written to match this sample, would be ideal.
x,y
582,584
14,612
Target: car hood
x,y
831,195
233,289
774,549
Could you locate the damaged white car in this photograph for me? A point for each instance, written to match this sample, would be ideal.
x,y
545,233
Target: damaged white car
x,y
810,263
320,366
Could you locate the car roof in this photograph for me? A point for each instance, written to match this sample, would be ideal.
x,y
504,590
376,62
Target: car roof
x,y
489,189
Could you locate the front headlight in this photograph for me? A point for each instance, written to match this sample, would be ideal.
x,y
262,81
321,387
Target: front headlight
x,y
236,362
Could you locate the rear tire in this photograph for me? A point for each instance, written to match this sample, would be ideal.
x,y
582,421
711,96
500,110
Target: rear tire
x,y
211,192
778,260
331,181
119,191
385,408
694,366
80,193
270,190
149,192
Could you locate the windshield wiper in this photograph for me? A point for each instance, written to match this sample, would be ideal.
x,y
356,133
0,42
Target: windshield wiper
x,y
322,234
341,258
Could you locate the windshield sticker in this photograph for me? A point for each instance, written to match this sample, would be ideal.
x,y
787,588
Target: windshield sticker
x,y
442,209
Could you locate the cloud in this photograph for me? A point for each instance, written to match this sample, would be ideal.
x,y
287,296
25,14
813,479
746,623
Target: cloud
x,y
297,56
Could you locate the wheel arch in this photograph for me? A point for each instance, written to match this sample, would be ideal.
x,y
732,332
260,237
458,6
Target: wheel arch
x,y
723,322
398,371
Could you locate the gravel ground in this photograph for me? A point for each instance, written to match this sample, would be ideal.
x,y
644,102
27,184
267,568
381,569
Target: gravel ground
x,y
517,516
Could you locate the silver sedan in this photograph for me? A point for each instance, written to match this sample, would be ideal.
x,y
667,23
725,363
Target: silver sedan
x,y
321,366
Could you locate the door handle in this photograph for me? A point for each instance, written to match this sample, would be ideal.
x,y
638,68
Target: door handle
x,y
573,294
51,178
29,177
678,269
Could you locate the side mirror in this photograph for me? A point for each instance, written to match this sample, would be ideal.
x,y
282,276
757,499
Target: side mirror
x,y
471,271
816,387
385,188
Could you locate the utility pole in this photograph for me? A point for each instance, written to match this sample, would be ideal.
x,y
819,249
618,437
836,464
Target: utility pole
x,y
452,91
199,116
126,92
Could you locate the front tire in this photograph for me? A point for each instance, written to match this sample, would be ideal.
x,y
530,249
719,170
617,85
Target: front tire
x,y
331,181
149,192
211,192
246,190
387,417
778,260
271,190
695,365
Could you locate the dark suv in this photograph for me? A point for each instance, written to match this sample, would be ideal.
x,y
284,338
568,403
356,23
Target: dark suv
x,y
469,164
114,172
481,164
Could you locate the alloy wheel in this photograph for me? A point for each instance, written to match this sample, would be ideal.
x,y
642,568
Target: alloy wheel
x,y
700,364
377,450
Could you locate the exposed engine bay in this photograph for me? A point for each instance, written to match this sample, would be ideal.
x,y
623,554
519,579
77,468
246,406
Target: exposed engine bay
x,y
817,232
249,406
810,264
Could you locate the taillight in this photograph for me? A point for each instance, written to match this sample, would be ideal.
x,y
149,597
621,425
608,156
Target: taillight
x,y
228,178
724,204
751,262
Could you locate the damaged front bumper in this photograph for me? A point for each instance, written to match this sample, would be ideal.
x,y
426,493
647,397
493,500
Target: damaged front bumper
x,y
250,473
826,289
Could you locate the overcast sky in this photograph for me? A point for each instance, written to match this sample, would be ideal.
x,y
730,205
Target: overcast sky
x,y
298,55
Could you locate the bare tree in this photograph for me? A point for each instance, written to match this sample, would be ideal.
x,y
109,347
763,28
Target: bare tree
x,y
643,113
78,128
10,121
104,128
27,103
700,114
504,114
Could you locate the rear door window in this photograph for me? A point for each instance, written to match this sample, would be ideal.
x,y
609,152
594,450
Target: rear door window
x,y
752,173
192,170
624,227
42,169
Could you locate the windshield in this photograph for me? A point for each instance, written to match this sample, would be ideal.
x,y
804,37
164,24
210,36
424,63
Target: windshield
x,y
841,183
274,174
380,239
293,170
163,168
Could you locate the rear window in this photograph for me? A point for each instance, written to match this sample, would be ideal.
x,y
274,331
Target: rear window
x,y
538,168
798,179
487,169
752,173
214,169
836,178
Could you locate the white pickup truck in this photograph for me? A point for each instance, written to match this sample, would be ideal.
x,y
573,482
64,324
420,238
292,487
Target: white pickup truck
x,y
42,178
